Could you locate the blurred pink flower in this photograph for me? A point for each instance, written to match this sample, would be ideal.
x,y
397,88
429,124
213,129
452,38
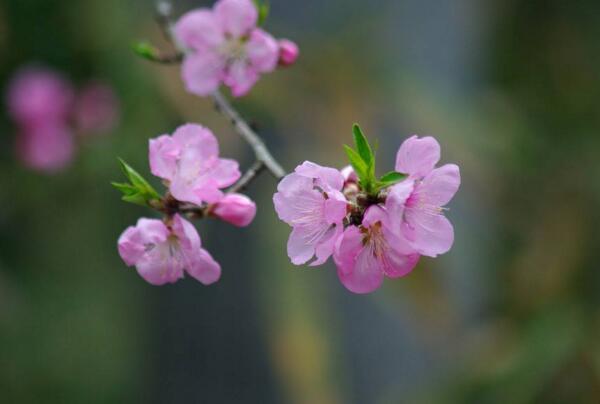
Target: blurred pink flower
x,y
416,204
96,109
236,209
46,147
161,254
225,47
288,52
41,103
189,161
365,254
309,200
39,97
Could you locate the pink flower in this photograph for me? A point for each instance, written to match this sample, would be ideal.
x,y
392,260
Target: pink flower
x,y
161,254
416,204
225,46
96,109
47,148
310,201
189,161
365,254
288,52
37,96
236,209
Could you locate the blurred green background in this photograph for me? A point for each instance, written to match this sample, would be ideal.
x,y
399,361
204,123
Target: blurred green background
x,y
510,88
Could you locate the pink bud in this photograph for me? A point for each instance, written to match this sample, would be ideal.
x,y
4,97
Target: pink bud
x,y
97,109
288,52
237,209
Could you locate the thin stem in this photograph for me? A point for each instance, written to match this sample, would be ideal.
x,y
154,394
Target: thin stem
x,y
247,178
243,129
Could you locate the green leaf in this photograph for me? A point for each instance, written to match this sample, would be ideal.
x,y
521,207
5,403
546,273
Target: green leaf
x,y
357,163
363,148
137,180
263,9
389,179
145,50
392,177
138,190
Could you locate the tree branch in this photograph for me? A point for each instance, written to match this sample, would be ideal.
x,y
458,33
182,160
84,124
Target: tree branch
x,y
262,153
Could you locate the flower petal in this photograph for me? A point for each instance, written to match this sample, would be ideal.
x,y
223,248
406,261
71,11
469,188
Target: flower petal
x,y
417,157
199,30
400,259
335,208
430,234
225,172
130,245
237,17
327,177
326,245
202,73
439,186
395,202
358,269
202,267
163,153
240,78
197,140
262,50
299,247
157,271
186,233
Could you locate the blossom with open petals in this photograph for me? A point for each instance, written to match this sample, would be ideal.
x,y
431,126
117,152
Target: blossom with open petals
x,y
225,46
310,200
367,253
416,204
189,160
162,254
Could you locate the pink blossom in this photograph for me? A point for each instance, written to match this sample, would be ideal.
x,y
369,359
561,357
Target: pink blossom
x,y
37,96
189,161
310,201
416,204
162,253
47,148
96,109
236,209
365,254
288,52
225,47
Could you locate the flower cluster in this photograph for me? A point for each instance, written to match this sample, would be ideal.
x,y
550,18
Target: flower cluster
x,y
188,162
224,45
373,227
47,112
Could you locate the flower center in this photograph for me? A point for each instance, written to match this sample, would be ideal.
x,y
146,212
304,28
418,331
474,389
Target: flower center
x,y
234,50
374,239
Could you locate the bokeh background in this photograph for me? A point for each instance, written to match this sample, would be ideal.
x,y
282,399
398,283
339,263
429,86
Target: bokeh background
x,y
510,88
